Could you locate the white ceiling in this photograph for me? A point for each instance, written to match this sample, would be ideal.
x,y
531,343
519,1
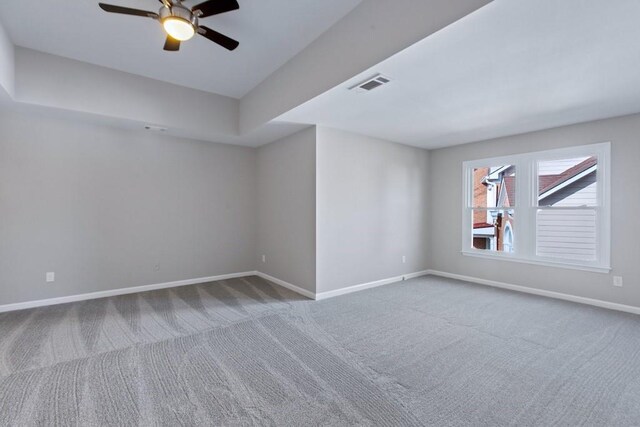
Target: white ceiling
x,y
513,66
270,33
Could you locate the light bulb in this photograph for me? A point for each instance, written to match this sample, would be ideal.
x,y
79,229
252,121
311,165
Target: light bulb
x,y
178,28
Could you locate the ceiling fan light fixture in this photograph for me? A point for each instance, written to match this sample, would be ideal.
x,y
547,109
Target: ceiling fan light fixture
x,y
181,23
178,28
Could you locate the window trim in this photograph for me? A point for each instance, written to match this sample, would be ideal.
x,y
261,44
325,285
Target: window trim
x,y
526,207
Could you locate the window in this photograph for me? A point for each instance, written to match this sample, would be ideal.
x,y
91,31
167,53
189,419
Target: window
x,y
493,205
550,207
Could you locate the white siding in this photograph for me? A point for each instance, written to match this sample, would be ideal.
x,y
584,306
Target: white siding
x,y
567,234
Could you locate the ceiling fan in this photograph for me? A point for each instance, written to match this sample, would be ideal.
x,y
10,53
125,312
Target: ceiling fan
x,y
181,23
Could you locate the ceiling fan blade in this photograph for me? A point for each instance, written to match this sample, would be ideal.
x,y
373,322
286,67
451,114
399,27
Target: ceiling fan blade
x,y
127,11
172,45
216,37
215,7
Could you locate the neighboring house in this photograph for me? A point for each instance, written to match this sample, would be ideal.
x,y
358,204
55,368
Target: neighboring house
x,y
565,183
566,233
494,228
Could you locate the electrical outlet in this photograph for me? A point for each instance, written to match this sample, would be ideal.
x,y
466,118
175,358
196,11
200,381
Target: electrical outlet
x,y
404,259
264,258
50,277
617,281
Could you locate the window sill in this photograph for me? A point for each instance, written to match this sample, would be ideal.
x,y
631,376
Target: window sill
x,y
511,258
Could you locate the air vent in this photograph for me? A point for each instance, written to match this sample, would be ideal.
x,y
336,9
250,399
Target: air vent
x,y
371,84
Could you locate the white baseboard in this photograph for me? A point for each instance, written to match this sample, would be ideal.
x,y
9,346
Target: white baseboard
x,y
122,291
287,285
369,285
321,295
416,274
145,288
541,292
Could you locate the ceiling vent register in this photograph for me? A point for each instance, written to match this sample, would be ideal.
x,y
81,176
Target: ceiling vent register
x,y
371,83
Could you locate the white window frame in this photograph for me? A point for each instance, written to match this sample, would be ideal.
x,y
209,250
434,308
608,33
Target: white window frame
x,y
526,207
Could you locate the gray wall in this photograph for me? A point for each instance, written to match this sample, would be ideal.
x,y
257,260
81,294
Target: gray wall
x,y
102,207
104,92
287,209
445,178
371,209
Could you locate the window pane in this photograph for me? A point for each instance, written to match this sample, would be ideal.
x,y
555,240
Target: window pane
x,y
566,234
567,182
494,230
494,187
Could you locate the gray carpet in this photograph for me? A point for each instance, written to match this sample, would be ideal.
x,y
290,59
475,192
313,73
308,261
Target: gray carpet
x,y
427,351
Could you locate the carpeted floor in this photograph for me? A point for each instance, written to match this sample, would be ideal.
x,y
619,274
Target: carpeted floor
x,y
427,351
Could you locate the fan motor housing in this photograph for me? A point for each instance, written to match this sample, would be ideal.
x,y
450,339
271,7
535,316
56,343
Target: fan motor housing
x,y
179,12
